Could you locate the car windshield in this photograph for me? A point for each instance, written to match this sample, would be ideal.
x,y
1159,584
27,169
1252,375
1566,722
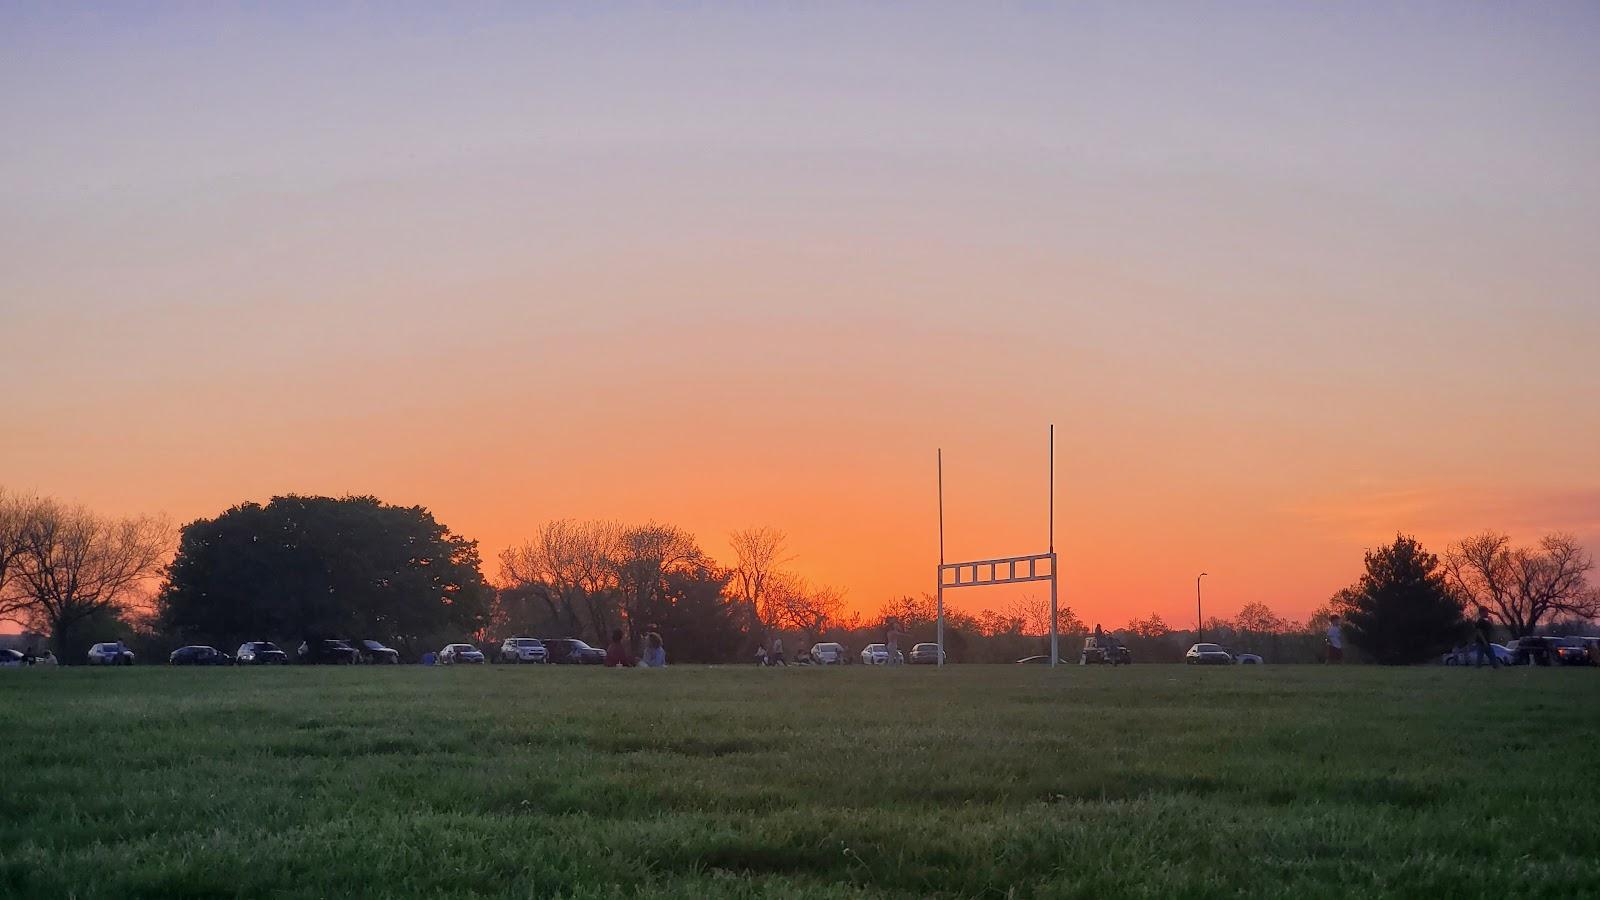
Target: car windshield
x,y
874,647
465,648
926,647
1207,648
579,645
527,642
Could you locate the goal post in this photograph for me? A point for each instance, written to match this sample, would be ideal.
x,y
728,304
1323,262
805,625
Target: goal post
x,y
1002,569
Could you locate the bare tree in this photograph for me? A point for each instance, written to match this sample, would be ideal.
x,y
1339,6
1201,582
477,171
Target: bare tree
x,y
911,612
570,567
760,554
1258,618
1152,627
74,565
1033,612
792,603
645,556
16,514
1521,586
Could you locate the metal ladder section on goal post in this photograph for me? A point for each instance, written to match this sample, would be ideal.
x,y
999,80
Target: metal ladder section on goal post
x,y
1001,570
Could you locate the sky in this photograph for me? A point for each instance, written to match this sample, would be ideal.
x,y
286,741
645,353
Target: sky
x,y
1286,278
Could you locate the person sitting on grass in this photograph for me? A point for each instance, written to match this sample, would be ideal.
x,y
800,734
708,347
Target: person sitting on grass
x,y
617,653
655,655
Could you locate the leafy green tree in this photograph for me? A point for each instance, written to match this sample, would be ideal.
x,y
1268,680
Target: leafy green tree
x,y
1402,610
310,566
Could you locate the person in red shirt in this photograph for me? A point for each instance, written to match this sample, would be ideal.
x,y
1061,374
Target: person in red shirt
x,y
617,653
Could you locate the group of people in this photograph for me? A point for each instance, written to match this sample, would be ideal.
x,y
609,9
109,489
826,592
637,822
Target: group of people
x,y
620,655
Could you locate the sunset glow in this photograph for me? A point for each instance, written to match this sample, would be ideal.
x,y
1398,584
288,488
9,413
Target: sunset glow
x,y
1281,295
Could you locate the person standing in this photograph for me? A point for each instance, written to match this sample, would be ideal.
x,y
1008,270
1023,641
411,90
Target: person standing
x,y
655,655
776,659
891,640
1335,640
1481,629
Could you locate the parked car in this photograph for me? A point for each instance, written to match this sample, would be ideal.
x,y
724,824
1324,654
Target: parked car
x,y
260,653
523,650
375,653
328,652
1103,650
1468,655
1575,652
460,653
11,659
828,653
573,652
112,653
878,655
1246,659
199,655
1591,646
1207,655
926,655
1541,650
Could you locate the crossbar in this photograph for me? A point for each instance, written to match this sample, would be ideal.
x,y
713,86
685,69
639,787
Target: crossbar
x,y
1001,570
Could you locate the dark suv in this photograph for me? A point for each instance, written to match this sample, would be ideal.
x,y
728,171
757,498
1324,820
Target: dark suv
x,y
1105,649
573,652
328,651
1539,650
199,655
376,653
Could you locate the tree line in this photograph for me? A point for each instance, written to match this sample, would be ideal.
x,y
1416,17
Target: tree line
x,y
303,566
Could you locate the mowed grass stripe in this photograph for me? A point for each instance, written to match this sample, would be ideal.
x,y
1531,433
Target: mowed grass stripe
x,y
500,781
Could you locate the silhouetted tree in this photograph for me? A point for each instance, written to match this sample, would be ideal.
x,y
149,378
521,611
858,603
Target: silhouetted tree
x,y
1522,586
1402,610
570,568
310,566
760,554
69,567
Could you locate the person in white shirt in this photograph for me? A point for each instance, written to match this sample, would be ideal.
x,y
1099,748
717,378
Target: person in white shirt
x,y
1335,640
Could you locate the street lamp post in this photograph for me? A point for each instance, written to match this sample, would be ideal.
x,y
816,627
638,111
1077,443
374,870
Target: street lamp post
x,y
1199,619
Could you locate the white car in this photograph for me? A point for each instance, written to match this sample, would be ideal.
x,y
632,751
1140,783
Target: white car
x,y
878,655
523,650
460,653
110,654
1248,659
10,659
828,654
1468,655
1207,655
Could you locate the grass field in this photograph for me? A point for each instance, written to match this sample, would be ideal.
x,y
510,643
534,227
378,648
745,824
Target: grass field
x,y
1156,781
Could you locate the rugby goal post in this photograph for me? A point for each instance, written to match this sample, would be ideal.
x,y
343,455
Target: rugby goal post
x,y
1002,569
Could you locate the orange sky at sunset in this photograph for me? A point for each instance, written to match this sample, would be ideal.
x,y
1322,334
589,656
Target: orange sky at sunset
x,y
1283,290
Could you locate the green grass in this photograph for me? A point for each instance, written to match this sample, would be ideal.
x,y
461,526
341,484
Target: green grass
x,y
1157,781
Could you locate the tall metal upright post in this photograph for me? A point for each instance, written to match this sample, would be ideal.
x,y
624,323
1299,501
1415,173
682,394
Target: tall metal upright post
x,y
939,577
1054,565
